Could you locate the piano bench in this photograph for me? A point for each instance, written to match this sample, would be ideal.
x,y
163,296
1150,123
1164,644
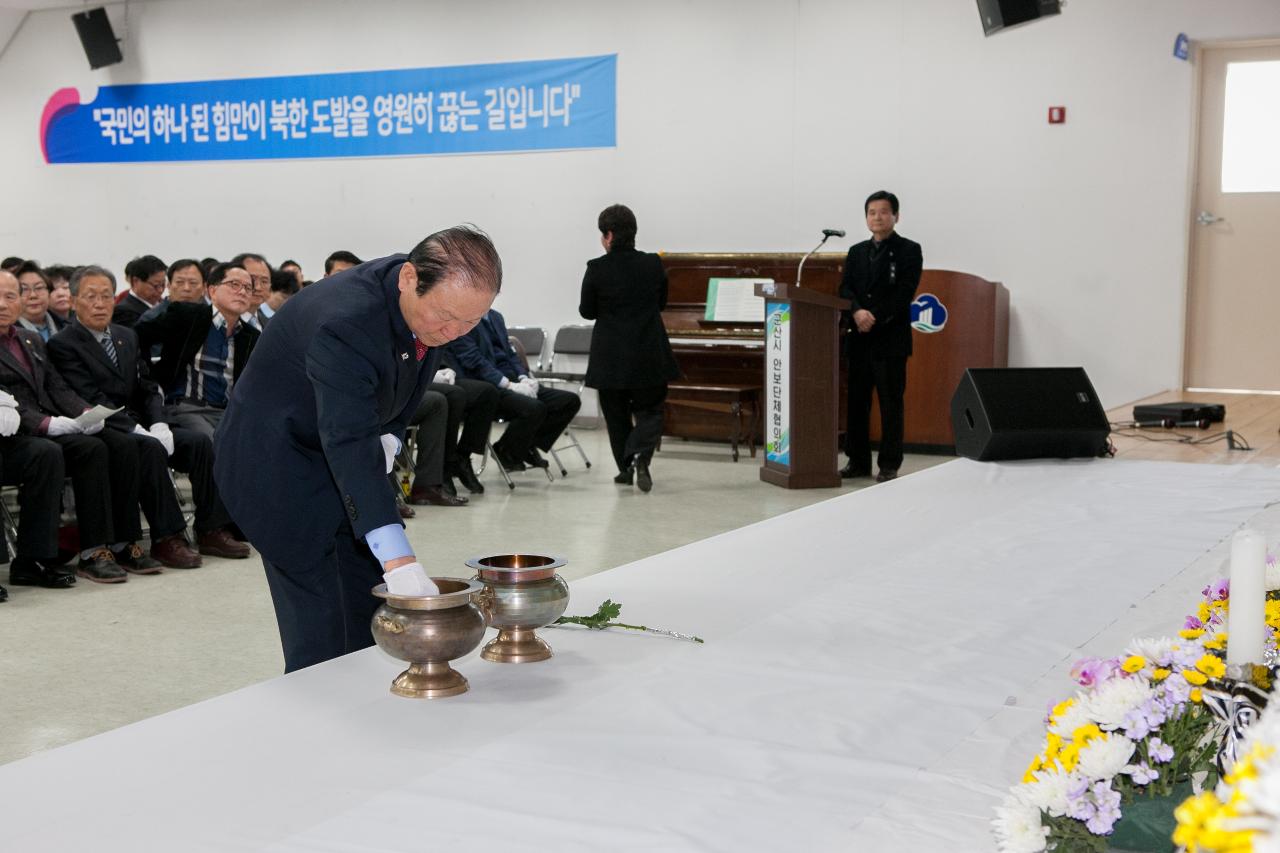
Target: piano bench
x,y
729,398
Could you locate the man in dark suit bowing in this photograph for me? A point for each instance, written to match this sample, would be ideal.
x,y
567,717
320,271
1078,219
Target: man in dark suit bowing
x,y
315,422
100,362
880,278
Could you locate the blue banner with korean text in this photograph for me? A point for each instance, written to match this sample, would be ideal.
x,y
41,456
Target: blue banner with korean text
x,y
465,109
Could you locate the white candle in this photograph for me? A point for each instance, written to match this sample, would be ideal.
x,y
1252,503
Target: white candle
x,y
1246,622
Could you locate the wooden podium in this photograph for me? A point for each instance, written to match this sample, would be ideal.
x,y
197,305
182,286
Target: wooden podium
x,y
801,386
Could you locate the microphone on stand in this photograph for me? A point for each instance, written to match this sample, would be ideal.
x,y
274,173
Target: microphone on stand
x,y
827,234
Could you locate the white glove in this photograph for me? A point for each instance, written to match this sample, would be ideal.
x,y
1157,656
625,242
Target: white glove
x,y
9,421
7,401
63,426
529,380
160,432
445,376
523,387
95,428
390,448
410,580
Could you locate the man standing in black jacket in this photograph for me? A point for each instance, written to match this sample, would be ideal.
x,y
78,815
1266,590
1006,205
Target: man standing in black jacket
x,y
880,279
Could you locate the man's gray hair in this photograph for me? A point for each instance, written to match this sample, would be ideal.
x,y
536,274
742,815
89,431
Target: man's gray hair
x,y
463,250
92,269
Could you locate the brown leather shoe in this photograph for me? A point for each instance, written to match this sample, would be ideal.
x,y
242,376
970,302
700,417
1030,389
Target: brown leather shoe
x,y
220,543
887,474
176,553
435,496
406,511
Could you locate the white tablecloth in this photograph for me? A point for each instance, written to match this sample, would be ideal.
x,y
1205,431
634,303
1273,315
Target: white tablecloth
x,y
874,674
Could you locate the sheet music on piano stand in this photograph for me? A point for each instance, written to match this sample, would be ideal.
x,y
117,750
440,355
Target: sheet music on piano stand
x,y
734,300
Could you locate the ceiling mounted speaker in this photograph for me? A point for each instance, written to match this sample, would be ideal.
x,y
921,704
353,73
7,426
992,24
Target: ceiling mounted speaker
x,y
999,15
99,41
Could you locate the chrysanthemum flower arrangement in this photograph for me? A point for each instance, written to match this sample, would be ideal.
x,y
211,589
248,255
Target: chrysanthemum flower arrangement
x,y
1136,731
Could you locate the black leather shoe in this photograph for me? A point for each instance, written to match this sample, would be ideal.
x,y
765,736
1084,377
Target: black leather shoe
x,y
644,480
887,474
448,487
508,461
849,472
435,496
467,476
24,571
135,561
101,568
4,594
626,478
534,459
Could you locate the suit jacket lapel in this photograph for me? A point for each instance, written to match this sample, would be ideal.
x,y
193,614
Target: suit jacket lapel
x,y
94,344
128,359
16,366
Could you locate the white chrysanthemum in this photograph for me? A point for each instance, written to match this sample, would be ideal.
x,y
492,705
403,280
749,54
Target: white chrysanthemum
x,y
1114,699
1018,828
1048,792
1272,580
1071,719
1104,757
1152,648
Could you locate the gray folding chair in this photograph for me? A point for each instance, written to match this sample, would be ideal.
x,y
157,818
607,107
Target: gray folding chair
x,y
533,339
570,341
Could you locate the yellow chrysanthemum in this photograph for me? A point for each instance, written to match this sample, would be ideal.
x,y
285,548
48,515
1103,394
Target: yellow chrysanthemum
x,y
1196,695
1069,755
1191,633
1086,733
1194,677
1218,642
1202,611
1030,775
1211,666
1134,663
1060,709
1160,675
1192,816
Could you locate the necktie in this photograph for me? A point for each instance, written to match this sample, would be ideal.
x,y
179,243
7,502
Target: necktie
x,y
111,350
421,349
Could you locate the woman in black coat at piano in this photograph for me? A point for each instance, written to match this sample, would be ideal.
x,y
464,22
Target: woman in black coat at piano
x,y
624,291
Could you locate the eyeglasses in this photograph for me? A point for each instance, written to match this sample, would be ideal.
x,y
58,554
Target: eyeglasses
x,y
238,287
33,288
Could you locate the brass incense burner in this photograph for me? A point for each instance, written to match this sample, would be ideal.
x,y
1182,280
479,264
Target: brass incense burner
x,y
428,631
527,595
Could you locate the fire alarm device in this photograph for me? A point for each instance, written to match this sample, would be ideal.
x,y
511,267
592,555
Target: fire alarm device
x,y
1057,115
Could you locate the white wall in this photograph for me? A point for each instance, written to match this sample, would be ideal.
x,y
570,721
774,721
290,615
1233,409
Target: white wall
x,y
742,125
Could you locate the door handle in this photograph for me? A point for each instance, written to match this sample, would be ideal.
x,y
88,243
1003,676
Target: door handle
x,y
1207,218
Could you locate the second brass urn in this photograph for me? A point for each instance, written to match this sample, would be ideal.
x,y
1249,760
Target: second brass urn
x,y
428,631
527,594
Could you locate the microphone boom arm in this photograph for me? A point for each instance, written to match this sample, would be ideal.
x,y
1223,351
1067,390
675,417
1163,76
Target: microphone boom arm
x,y
800,269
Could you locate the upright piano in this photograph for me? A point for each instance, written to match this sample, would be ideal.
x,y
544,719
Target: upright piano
x,y
970,328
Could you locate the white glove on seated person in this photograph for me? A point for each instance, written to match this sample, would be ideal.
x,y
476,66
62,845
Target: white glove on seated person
x,y
160,432
7,400
529,380
9,421
62,426
390,448
410,579
524,388
445,376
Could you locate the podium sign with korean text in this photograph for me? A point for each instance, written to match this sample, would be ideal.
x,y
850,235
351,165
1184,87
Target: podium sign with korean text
x,y
553,104
777,335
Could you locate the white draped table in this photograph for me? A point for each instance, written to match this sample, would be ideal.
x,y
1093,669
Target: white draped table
x,y
875,670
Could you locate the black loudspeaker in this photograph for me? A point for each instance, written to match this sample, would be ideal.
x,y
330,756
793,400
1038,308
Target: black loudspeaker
x,y
96,35
1027,413
999,15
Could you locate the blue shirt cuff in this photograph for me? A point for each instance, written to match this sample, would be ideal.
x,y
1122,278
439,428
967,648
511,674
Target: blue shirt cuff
x,y
388,542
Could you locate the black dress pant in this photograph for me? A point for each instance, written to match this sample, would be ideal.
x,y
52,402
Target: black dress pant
x,y
156,493
431,419
193,456
633,417
324,609
888,378
475,411
534,422
104,478
35,466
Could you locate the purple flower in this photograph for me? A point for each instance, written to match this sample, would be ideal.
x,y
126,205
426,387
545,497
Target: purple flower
x,y
1089,672
1142,774
1160,752
1107,809
1219,590
1193,624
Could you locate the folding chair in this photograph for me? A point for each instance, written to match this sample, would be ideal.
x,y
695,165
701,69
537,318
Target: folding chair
x,y
533,340
569,341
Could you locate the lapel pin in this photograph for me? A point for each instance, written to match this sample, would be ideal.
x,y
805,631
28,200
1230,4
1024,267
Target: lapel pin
x,y
404,356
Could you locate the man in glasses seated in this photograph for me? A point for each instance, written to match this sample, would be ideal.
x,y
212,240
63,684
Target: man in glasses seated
x,y
147,277
260,272
203,349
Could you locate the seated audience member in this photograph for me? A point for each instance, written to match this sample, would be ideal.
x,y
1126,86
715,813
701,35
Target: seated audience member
x,y
35,288
536,415
101,363
207,265
339,261
34,465
431,419
283,285
473,405
203,349
146,277
295,269
59,290
260,272
186,281
103,464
